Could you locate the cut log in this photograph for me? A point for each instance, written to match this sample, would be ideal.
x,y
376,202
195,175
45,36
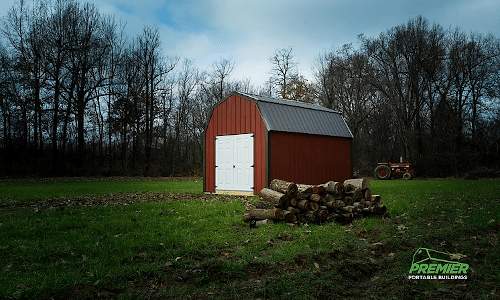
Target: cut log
x,y
303,204
320,190
348,200
331,204
323,214
358,194
304,191
293,202
368,194
330,197
358,205
264,204
361,183
315,198
332,217
257,223
339,203
333,187
284,187
349,188
375,198
379,209
277,198
313,206
311,216
289,216
262,214
247,217
348,208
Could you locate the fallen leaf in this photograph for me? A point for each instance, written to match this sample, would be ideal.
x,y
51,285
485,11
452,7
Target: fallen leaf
x,y
118,235
402,227
177,258
316,265
168,264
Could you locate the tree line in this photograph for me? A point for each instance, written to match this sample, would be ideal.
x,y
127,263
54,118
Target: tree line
x,y
418,91
80,97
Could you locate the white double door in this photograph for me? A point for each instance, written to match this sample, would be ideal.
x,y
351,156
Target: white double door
x,y
234,165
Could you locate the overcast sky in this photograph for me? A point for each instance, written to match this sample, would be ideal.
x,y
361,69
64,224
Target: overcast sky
x,y
248,32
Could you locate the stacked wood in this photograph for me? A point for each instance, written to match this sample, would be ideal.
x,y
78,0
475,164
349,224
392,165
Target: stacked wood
x,y
293,203
284,187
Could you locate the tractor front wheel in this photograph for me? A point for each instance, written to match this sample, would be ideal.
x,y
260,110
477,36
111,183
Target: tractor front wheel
x,y
408,175
382,172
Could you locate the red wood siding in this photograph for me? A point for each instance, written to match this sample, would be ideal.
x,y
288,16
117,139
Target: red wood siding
x,y
309,159
235,115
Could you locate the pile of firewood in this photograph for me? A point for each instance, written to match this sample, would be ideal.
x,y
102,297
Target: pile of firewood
x,y
294,204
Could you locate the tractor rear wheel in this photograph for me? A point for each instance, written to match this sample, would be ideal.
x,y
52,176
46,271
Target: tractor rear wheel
x,y
382,172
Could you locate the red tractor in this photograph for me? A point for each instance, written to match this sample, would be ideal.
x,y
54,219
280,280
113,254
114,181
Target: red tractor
x,y
386,170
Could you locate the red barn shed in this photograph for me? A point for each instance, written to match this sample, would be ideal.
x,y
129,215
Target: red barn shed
x,y
251,140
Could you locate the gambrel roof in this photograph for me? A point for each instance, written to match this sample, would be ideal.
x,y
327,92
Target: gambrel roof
x,y
299,117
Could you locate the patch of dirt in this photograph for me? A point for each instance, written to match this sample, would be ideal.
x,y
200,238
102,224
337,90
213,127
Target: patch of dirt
x,y
99,178
121,199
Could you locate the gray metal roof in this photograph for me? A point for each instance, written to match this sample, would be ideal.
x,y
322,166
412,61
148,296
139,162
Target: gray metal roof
x,y
299,117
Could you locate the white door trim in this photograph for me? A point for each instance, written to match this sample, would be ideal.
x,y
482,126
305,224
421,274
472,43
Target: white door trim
x,y
234,162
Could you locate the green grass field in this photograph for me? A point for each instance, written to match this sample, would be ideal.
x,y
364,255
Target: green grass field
x,y
136,240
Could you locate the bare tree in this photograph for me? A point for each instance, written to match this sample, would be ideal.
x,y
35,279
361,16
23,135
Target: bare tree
x,y
220,72
283,69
